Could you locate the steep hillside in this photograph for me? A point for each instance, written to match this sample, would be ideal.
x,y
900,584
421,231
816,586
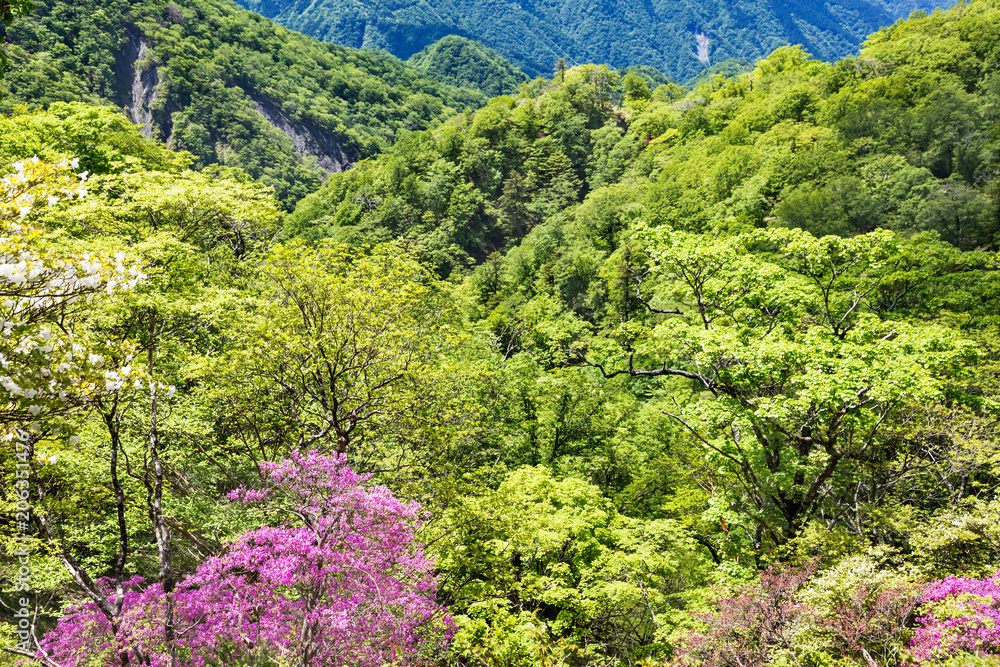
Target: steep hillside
x,y
901,137
678,38
465,63
227,85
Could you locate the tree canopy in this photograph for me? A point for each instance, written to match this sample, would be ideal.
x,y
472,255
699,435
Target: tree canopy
x,y
609,372
225,85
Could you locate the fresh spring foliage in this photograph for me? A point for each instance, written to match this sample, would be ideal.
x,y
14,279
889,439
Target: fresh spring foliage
x,y
481,182
702,377
223,84
725,308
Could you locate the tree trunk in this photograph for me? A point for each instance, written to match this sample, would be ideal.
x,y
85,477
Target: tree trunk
x,y
154,499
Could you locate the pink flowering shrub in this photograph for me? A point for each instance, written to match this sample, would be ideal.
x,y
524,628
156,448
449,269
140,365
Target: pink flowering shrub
x,y
959,616
750,624
859,613
851,614
342,583
870,626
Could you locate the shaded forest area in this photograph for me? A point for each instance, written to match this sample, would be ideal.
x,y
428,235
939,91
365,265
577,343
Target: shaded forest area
x,y
676,38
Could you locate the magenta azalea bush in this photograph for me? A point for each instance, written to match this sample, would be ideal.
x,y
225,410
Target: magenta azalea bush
x,y
791,617
343,582
958,616
750,624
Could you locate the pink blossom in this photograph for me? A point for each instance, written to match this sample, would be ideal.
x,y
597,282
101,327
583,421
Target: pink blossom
x,y
343,582
961,615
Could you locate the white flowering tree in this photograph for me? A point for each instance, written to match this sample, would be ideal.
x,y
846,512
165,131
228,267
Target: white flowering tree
x,y
110,285
50,363
47,366
190,231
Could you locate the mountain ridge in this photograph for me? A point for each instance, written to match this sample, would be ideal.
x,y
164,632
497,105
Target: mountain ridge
x,y
227,85
678,38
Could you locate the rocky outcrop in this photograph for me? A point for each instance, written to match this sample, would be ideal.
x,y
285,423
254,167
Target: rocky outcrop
x,y
309,138
137,82
701,47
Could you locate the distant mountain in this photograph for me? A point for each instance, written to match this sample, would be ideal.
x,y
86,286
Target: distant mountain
x,y
677,37
229,86
465,63
903,8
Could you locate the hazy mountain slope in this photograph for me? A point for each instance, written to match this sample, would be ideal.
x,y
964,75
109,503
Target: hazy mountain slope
x,y
462,62
903,8
678,37
225,84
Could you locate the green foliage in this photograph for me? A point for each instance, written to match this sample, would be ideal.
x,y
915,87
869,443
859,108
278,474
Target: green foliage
x,y
782,144
635,88
481,181
650,75
100,138
540,548
9,11
959,540
360,352
535,35
796,374
683,335
767,287
227,86
463,63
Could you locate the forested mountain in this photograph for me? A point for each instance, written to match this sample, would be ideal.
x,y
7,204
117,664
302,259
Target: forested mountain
x,y
723,308
608,373
465,63
224,84
677,38
900,137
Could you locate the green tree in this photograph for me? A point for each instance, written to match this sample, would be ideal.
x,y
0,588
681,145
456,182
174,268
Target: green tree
x,y
561,67
794,369
9,11
334,353
635,88
540,553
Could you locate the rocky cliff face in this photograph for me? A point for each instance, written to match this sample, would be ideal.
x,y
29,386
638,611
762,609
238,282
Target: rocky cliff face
x,y
138,83
309,138
138,80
